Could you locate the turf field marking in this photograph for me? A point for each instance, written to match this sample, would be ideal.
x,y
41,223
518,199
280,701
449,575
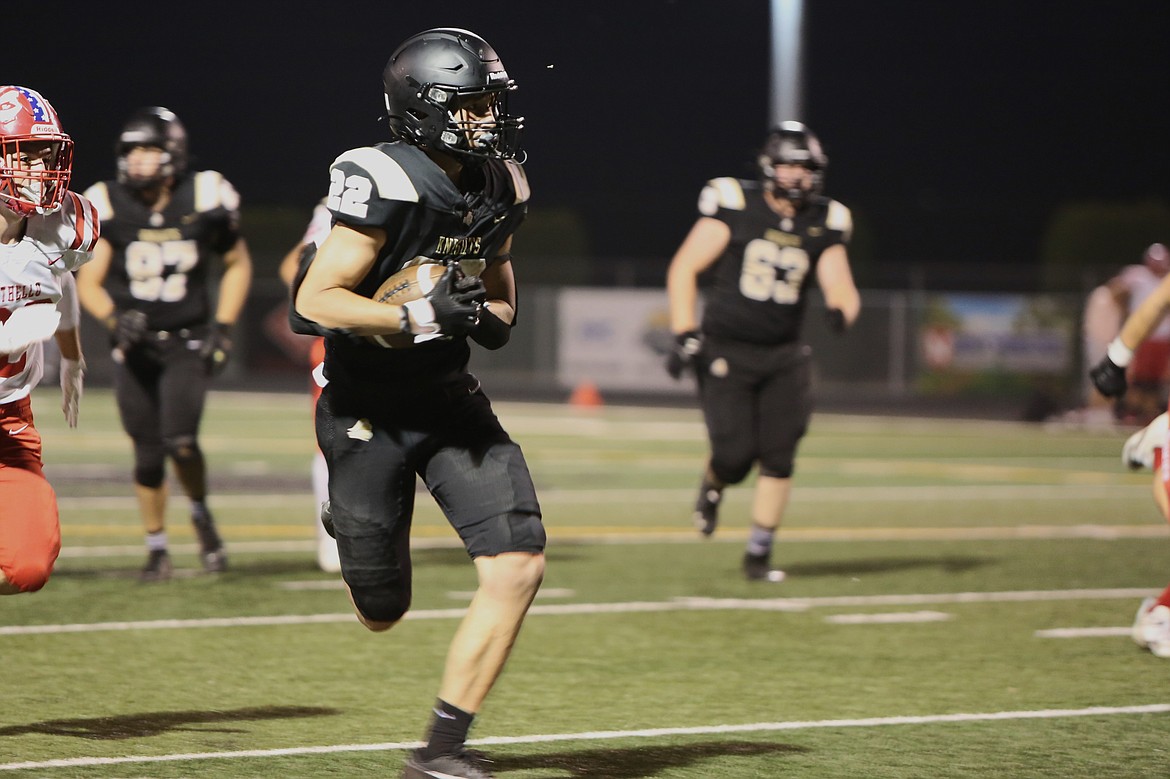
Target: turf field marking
x,y
629,607
889,618
1083,632
609,735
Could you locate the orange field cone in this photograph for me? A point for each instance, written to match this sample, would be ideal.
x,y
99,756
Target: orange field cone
x,y
585,395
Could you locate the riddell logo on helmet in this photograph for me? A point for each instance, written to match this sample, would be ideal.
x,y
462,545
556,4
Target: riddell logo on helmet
x,y
498,75
43,129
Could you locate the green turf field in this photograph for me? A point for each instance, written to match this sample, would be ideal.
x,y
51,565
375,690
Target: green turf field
x,y
958,604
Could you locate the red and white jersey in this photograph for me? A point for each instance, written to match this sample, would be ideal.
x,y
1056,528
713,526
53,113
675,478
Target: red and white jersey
x,y
37,270
1140,282
319,225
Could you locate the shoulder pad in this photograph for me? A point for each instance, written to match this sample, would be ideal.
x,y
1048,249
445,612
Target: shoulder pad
x,y
386,173
725,193
839,218
70,233
519,180
99,195
213,191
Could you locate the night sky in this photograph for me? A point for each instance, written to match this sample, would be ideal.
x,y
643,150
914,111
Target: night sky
x,y
954,129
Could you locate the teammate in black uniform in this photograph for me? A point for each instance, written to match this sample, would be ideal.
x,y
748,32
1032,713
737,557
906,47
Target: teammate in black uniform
x,y
448,189
765,243
162,230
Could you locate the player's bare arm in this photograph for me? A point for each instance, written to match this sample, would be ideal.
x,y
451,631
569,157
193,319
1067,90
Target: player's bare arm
x,y
1146,316
233,287
500,282
90,280
835,279
703,245
326,295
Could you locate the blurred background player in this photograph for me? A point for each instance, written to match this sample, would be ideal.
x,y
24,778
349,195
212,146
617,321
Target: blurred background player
x,y
163,228
448,189
765,243
46,232
1147,373
1146,448
319,225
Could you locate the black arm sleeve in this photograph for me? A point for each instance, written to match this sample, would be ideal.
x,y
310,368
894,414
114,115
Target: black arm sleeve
x,y
491,332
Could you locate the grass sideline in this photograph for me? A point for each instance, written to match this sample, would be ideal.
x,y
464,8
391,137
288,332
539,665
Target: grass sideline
x,y
930,563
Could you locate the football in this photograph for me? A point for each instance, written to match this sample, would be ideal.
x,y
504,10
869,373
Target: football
x,y
410,283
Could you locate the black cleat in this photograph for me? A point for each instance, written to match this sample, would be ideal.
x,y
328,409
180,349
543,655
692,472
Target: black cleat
x,y
211,551
758,568
327,519
158,567
465,765
706,514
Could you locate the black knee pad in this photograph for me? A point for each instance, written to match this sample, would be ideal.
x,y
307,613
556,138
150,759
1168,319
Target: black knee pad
x,y
380,604
730,470
182,449
519,532
149,462
777,470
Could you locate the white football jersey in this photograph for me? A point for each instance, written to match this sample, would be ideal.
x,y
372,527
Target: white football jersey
x,y
33,271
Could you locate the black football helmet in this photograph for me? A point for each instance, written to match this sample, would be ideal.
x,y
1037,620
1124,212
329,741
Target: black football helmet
x,y
431,76
156,127
791,143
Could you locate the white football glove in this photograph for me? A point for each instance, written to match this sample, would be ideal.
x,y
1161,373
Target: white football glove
x,y
26,326
72,379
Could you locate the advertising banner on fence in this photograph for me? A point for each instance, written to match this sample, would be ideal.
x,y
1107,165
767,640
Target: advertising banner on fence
x,y
617,339
993,343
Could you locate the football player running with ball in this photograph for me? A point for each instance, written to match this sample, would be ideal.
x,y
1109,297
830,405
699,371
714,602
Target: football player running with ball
x,y
765,242
1147,448
447,189
163,228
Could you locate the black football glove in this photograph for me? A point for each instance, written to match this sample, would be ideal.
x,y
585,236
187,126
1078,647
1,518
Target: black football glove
x,y
456,301
682,357
1109,378
836,320
216,348
126,329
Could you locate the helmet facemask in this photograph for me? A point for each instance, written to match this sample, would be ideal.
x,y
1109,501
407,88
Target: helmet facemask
x,y
35,172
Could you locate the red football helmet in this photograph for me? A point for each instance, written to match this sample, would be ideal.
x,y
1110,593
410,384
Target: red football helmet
x,y
36,156
1157,259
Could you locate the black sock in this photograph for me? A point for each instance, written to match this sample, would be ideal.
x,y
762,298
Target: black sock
x,y
448,731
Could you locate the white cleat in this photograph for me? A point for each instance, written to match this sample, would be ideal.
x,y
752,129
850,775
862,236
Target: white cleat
x,y
1151,628
327,557
1138,451
1138,632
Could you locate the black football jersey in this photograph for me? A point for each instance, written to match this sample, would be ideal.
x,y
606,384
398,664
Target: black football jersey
x,y
395,187
163,260
758,286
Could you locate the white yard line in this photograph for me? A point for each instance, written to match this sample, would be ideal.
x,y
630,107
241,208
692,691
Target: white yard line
x,y
610,735
626,607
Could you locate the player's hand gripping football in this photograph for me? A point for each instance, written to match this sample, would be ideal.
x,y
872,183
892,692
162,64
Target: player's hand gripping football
x,y
684,353
1109,378
451,309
